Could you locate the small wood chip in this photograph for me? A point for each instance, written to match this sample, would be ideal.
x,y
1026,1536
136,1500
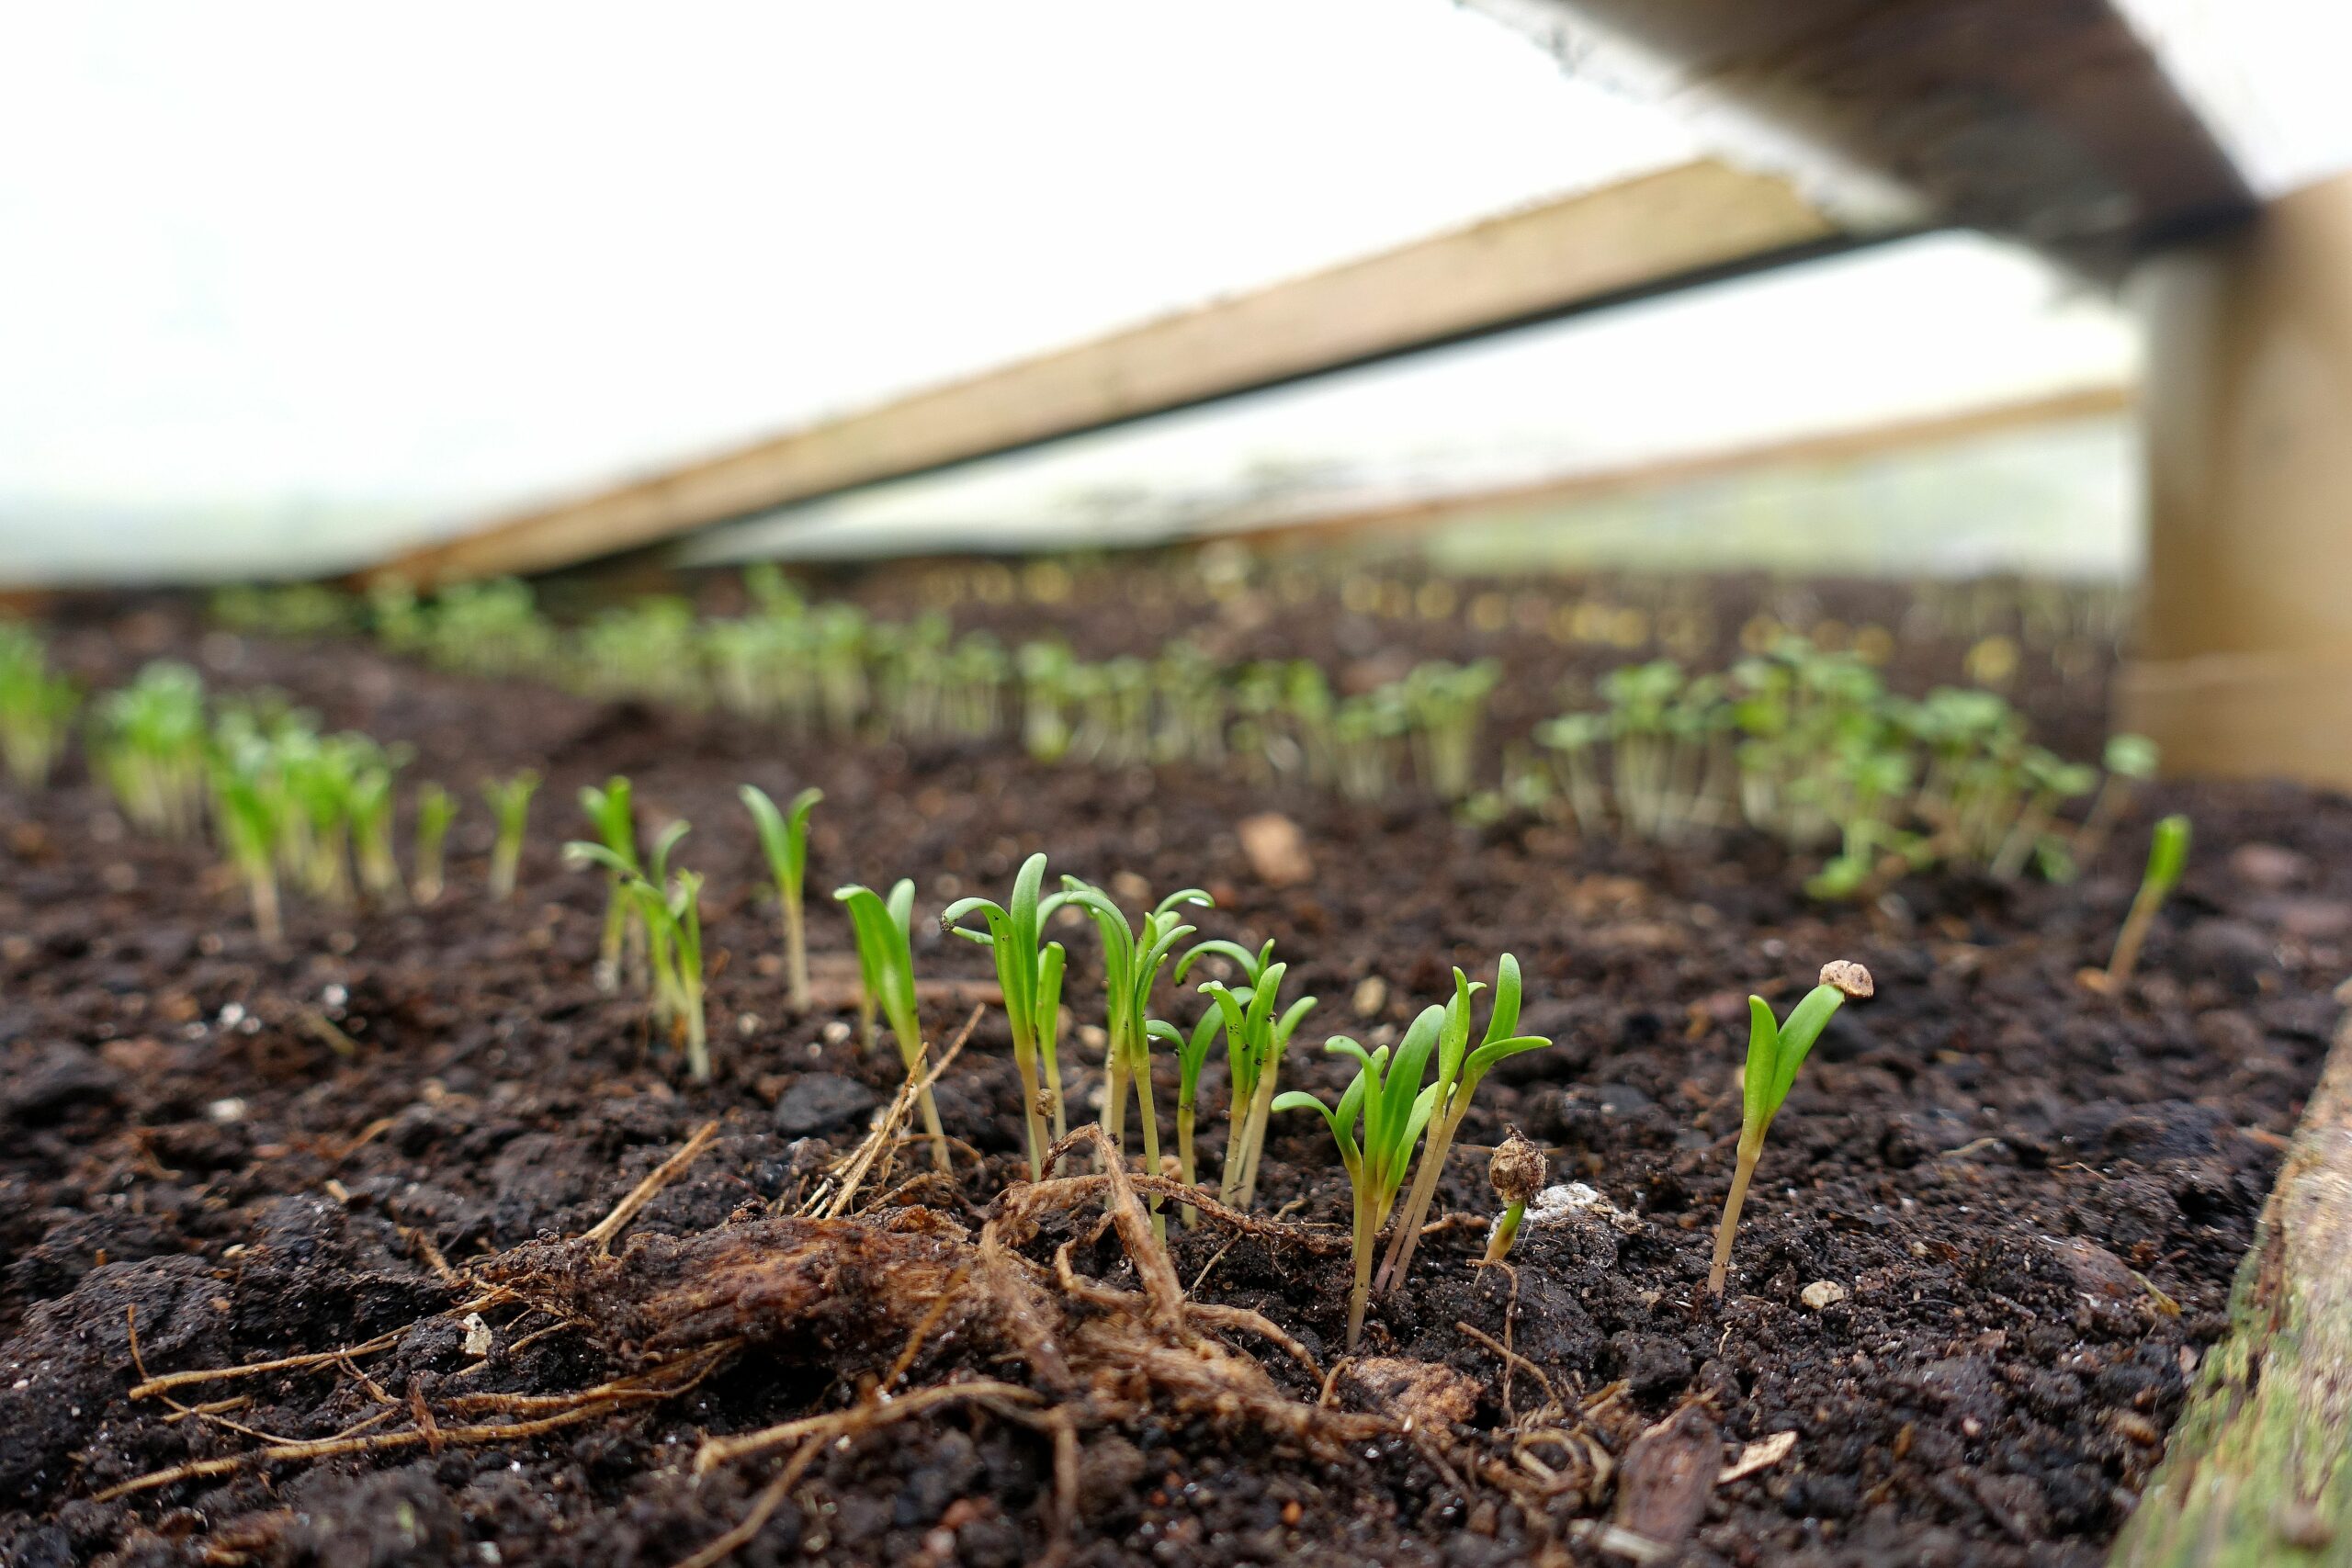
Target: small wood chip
x,y
1761,1454
1667,1475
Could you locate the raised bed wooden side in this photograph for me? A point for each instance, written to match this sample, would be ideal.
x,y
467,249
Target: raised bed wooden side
x,y
2259,1470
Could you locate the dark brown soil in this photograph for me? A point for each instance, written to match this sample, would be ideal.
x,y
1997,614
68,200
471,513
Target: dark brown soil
x,y
2013,1179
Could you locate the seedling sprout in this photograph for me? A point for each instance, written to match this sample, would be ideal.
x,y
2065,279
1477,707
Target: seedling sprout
x,y
886,957
1255,1038
1132,960
1517,1173
784,839
150,748
2130,761
36,707
368,805
435,809
1388,1097
510,805
2167,855
243,806
611,813
900,907
669,906
1192,1055
1775,1050
1011,935
1460,1070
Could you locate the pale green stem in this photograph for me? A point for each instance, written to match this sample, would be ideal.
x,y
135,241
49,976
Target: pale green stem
x,y
1407,1233
1024,1058
1185,1169
1360,1296
2126,958
697,1045
1506,1232
1750,1148
1054,1088
1150,1121
1260,1109
796,952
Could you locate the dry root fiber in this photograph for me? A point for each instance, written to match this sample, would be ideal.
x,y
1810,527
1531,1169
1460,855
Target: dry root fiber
x,y
830,1288
862,1295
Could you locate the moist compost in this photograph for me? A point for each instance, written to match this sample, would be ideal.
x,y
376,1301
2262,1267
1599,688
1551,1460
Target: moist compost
x,y
1992,1232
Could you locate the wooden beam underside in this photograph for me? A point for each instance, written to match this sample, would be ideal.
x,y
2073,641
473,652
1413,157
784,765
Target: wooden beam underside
x,y
1685,223
2046,121
1638,479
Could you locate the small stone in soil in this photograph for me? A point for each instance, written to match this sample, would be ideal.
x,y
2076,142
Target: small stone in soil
x,y
2269,867
1276,848
1823,1295
817,1102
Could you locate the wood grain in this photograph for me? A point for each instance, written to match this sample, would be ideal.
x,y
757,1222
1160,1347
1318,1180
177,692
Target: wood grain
x,y
2259,1467
1523,266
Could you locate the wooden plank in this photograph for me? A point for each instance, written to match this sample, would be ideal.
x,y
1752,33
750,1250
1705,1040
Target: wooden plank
x,y
2047,120
2244,660
1634,479
1680,224
2258,1471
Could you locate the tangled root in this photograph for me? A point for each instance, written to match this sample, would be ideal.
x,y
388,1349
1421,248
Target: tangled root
x,y
861,1294
827,1287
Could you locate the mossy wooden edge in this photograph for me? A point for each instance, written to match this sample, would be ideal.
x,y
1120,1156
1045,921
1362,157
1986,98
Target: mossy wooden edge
x,y
2259,1468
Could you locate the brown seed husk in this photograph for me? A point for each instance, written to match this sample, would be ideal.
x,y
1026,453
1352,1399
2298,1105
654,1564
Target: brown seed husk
x,y
1517,1169
1845,975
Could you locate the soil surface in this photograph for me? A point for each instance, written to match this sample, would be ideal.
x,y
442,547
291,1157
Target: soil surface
x,y
1993,1230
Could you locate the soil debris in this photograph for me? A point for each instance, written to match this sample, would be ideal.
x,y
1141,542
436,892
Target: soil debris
x,y
1665,1477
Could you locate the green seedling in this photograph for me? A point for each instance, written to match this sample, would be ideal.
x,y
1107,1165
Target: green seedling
x,y
244,807
435,809
669,906
1517,1173
36,707
370,807
1573,739
293,609
1256,1036
509,806
900,907
784,839
652,889
1460,1070
1775,1050
1854,786
886,960
2130,761
318,773
609,810
1192,1055
1030,974
490,628
1447,703
2051,781
2167,855
1388,1096
679,912
150,748
1132,960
